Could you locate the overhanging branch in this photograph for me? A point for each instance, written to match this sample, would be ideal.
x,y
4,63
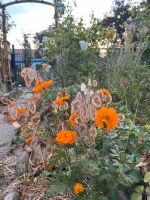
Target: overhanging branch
x,y
26,1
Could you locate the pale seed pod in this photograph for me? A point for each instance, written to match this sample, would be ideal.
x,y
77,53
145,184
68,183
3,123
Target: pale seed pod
x,y
75,106
100,93
31,107
31,74
121,117
78,96
13,113
36,118
96,101
92,111
28,84
36,98
107,99
24,71
95,83
65,105
22,118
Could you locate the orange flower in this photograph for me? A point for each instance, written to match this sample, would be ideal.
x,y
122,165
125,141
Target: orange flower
x,y
78,188
28,140
47,84
106,118
66,137
59,100
105,92
66,97
72,119
38,88
21,110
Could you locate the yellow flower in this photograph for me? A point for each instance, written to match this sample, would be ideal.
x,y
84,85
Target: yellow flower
x,y
78,188
106,118
66,137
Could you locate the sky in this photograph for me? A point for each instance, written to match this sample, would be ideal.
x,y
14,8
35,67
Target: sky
x,y
33,17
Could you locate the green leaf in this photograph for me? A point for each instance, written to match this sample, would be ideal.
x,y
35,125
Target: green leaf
x,y
45,173
139,189
136,196
56,188
135,176
148,189
147,177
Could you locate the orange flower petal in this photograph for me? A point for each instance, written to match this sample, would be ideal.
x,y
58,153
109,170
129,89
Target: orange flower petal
x,y
47,84
72,119
38,88
66,97
21,110
66,137
28,140
105,91
78,188
106,118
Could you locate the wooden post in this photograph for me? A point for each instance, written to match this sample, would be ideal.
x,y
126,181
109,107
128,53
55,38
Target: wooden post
x,y
6,64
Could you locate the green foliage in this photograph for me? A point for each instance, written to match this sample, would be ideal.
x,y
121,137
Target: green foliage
x,y
69,62
142,13
121,12
147,177
128,78
106,168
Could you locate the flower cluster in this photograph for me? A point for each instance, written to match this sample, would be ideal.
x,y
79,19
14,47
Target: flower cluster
x,y
70,131
66,137
72,119
42,85
60,99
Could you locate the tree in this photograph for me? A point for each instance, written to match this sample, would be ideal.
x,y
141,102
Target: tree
x,y
73,49
27,51
119,15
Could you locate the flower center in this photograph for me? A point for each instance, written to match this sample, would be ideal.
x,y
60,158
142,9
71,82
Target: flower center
x,y
105,123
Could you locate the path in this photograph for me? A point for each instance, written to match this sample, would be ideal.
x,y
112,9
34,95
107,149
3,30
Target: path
x,y
7,131
6,134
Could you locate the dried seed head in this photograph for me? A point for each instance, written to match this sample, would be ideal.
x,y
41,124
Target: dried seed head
x,y
36,118
96,101
95,83
121,117
31,107
36,98
24,71
22,118
75,106
107,99
65,105
13,113
100,93
31,74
